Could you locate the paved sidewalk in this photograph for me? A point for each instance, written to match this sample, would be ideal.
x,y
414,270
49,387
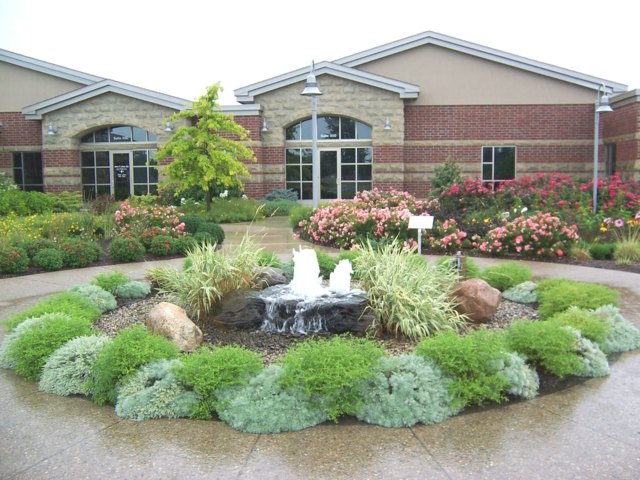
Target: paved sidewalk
x,y
590,430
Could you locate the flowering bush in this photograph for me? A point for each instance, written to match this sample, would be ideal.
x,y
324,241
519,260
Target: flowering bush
x,y
147,222
370,215
448,237
623,230
539,235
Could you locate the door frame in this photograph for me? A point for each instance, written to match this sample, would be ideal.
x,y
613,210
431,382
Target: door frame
x,y
338,151
112,170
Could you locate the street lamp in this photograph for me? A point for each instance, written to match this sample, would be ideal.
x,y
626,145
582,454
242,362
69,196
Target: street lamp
x,y
311,90
602,105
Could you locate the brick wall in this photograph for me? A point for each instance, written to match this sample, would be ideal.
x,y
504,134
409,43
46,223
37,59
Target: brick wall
x,y
18,132
622,128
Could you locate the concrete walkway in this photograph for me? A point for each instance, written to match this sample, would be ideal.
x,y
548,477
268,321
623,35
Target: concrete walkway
x,y
589,430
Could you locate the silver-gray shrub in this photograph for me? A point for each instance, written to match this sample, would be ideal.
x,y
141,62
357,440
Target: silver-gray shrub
x,y
405,390
265,406
155,392
133,289
9,362
524,292
523,379
594,361
102,299
68,369
623,336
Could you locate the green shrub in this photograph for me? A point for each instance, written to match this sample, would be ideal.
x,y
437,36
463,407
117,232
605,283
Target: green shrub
x,y
163,245
331,372
556,295
278,208
282,194
70,303
586,322
627,252
192,221
32,349
523,380
79,253
155,392
525,292
472,361
298,214
49,259
7,361
33,246
269,259
68,369
209,371
19,202
506,275
327,263
602,251
407,295
67,202
133,289
594,361
265,406
13,259
622,336
214,230
110,281
548,345
234,210
444,176
405,390
201,238
131,348
184,243
126,249
102,299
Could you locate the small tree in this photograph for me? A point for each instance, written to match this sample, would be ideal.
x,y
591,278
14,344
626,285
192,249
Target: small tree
x,y
209,152
445,175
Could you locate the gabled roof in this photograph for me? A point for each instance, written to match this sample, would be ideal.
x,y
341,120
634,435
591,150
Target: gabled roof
x,y
48,68
36,110
404,89
433,38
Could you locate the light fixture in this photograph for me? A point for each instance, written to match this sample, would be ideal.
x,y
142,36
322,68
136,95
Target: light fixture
x,y
387,124
51,130
602,105
1,126
169,127
265,127
311,90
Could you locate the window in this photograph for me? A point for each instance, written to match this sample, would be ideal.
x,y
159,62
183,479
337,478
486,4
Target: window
x,y
498,164
96,174
356,174
298,172
610,159
145,172
27,170
119,172
119,134
330,128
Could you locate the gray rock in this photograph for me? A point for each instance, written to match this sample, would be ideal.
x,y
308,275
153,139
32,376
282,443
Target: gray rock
x,y
240,309
270,276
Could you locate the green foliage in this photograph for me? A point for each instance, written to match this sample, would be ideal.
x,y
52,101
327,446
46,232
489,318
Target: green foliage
x,y
126,249
102,299
209,371
506,275
594,361
33,246
192,221
282,194
67,202
214,230
407,295
586,322
405,390
299,214
473,363
269,259
6,360
32,349
523,380
76,306
469,269
546,344
202,238
13,259
133,289
68,369
208,275
525,292
49,259
602,251
331,372
277,208
162,245
79,253
265,406
131,348
622,336
444,176
556,295
207,152
110,281
627,252
155,392
19,202
233,210
327,263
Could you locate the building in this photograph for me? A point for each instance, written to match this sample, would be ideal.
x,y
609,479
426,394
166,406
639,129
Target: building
x,y
387,116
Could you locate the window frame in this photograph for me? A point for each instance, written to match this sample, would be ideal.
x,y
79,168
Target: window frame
x,y
22,184
493,182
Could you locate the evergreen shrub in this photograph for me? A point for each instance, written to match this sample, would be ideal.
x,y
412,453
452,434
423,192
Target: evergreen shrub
x,y
110,281
6,360
13,259
79,253
133,289
506,275
49,259
622,336
556,295
126,249
102,299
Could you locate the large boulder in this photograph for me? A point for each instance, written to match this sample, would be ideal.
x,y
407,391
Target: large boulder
x,y
172,322
270,276
240,309
476,299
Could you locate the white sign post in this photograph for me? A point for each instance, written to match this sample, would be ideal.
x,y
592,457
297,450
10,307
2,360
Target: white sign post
x,y
420,222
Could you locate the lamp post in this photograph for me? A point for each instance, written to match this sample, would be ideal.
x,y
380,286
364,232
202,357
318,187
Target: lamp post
x,y
311,90
602,105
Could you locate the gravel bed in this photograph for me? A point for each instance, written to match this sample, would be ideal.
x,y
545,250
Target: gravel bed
x,y
272,346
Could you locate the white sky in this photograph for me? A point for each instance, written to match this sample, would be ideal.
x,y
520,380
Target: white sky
x,y
181,47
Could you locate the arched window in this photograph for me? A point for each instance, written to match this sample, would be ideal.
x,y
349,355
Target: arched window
x,y
119,134
330,128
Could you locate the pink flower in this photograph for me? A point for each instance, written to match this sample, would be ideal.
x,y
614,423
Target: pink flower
x,y
619,223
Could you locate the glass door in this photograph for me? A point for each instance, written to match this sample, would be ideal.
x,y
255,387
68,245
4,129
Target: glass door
x,y
121,177
329,174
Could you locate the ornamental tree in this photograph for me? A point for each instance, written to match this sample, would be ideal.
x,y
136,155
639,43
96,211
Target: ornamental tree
x,y
209,152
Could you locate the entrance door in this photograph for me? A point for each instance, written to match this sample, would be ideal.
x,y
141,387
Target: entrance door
x,y
329,174
121,168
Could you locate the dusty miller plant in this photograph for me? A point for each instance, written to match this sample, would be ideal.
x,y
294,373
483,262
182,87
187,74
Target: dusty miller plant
x,y
99,297
622,336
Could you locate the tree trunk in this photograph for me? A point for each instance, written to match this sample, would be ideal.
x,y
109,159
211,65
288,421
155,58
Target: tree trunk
x,y
208,199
